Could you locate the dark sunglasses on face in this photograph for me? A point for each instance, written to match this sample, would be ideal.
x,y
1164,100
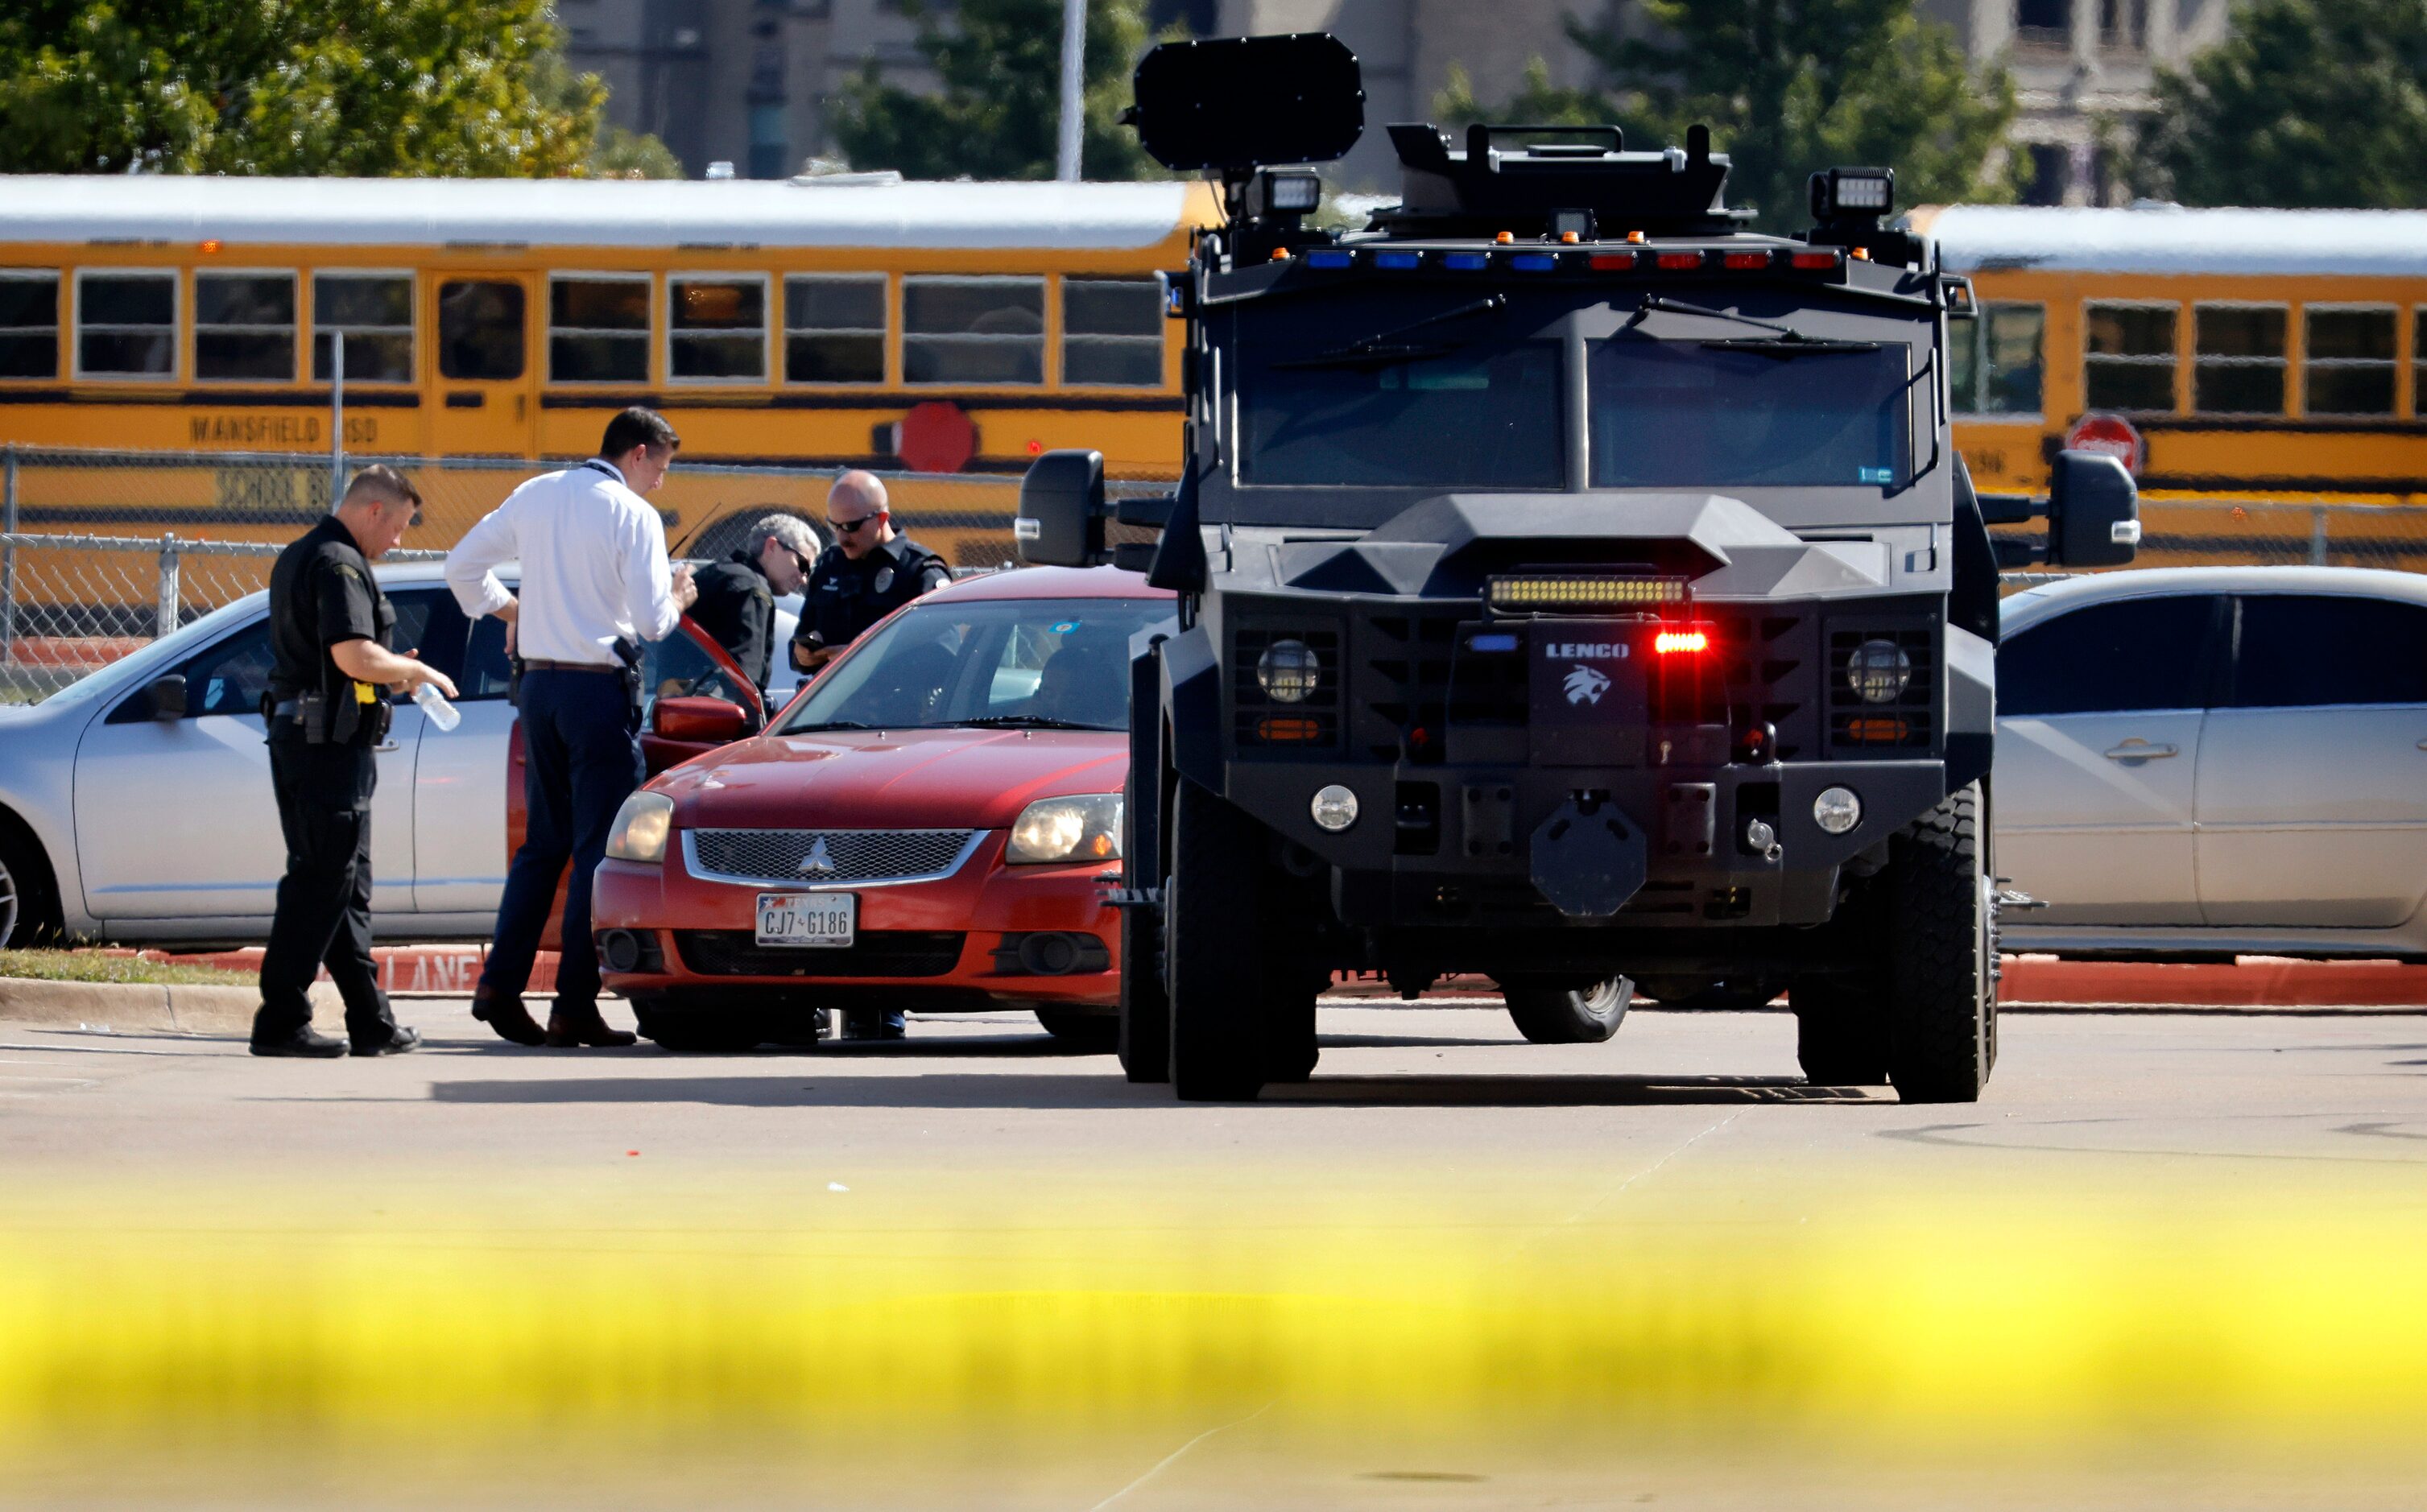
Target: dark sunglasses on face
x,y
847,527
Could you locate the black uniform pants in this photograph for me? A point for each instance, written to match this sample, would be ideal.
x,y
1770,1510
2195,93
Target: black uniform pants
x,y
324,899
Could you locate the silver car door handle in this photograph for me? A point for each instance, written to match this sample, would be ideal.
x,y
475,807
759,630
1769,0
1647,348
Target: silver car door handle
x,y
393,746
2140,751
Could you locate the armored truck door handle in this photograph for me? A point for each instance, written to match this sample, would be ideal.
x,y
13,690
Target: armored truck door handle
x,y
2136,749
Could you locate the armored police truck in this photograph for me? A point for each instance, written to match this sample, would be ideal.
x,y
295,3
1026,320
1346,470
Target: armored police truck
x,y
1577,589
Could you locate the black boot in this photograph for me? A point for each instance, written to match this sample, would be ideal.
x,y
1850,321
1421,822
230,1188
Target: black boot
x,y
509,1017
395,1040
582,1025
302,1042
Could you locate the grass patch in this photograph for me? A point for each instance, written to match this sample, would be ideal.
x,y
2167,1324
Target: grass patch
x,y
93,965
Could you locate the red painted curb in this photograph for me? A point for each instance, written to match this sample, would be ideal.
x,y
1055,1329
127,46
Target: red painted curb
x,y
401,968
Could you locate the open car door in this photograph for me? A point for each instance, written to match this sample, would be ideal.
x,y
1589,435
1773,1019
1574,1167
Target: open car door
x,y
694,698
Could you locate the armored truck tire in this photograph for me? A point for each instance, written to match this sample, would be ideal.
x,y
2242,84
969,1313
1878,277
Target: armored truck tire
x,y
1941,949
1568,1016
1213,951
1841,1037
1095,1034
689,1031
1289,1004
1145,1024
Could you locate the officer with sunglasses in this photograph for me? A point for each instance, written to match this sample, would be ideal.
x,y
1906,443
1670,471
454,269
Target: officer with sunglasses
x,y
737,597
866,574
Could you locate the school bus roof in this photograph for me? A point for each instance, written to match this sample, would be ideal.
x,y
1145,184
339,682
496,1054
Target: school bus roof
x,y
44,209
2171,239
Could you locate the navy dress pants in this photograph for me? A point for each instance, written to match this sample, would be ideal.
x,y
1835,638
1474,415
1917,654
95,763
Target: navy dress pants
x,y
581,759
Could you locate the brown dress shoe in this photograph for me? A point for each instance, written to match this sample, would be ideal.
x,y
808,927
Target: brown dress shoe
x,y
509,1018
568,1027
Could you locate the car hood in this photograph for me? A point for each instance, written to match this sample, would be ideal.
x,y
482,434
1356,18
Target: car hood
x,y
891,779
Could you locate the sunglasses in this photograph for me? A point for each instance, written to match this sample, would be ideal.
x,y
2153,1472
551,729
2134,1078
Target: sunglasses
x,y
847,527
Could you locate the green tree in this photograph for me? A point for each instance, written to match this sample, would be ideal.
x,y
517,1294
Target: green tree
x,y
998,114
2309,102
1788,87
362,88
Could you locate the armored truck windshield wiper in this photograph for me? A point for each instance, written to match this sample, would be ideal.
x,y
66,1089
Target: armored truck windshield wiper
x,y
1787,343
1019,722
1381,349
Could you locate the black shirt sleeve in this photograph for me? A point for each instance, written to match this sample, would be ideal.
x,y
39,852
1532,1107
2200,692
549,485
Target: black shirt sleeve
x,y
343,595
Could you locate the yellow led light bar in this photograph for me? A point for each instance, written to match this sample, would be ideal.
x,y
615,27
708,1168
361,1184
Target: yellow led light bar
x,y
1583,595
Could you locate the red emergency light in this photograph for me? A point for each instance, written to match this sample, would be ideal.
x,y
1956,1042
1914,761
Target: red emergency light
x,y
1671,642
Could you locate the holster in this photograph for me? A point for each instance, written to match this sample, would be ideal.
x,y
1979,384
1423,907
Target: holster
x,y
629,652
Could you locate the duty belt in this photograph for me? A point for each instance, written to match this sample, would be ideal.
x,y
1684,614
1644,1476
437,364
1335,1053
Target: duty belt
x,y
536,664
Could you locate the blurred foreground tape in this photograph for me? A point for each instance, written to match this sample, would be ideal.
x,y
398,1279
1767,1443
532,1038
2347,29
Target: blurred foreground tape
x,y
1889,1326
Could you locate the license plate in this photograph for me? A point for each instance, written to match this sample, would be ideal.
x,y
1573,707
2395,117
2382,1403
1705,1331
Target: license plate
x,y
808,918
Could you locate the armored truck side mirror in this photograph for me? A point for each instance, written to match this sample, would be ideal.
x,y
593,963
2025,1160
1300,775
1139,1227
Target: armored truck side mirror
x,y
167,697
2093,512
1060,520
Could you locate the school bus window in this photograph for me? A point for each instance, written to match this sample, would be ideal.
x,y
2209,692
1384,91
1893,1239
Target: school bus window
x,y
598,330
2347,359
2238,367
479,329
717,329
1112,331
982,329
1995,362
2419,360
30,322
127,324
834,328
2128,356
244,327
375,311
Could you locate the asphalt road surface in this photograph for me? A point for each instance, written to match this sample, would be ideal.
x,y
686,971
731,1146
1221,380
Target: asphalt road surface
x,y
1432,1136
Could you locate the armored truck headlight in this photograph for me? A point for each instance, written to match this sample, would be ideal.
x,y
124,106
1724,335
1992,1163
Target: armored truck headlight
x,y
1087,827
1288,672
1877,670
641,828
1836,810
1335,807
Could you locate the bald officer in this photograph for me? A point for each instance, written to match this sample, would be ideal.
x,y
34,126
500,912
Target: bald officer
x,y
867,574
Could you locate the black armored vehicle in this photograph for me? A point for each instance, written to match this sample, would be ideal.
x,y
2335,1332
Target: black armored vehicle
x,y
1576,589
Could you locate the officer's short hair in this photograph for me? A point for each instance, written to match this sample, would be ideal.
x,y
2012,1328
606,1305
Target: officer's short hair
x,y
379,483
639,426
787,528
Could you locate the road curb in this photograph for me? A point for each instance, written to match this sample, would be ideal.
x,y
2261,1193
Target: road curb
x,y
450,969
141,1006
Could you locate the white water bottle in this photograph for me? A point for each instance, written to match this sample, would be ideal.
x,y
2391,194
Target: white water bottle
x,y
435,708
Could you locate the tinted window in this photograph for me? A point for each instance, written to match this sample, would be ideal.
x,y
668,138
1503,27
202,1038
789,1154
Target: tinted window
x,y
598,330
244,326
2297,650
1112,331
479,329
375,311
231,677
126,325
834,328
680,666
1679,413
473,655
29,323
973,330
2144,652
1053,661
1481,416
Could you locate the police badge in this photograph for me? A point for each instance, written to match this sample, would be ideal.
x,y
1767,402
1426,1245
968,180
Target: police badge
x,y
884,579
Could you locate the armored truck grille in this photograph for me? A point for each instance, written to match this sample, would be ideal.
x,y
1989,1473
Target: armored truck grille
x,y
904,952
1856,726
826,856
1266,723
1406,662
1764,673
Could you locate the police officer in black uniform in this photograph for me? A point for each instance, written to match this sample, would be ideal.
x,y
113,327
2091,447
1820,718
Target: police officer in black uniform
x,y
866,574
329,631
737,597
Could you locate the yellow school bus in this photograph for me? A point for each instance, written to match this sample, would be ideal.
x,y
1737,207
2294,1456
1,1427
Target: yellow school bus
x,y
820,322
2256,355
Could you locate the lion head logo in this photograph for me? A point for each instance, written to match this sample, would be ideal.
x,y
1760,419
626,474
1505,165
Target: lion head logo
x,y
1585,686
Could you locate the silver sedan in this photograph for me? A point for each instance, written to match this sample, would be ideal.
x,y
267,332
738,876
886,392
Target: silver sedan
x,y
2216,760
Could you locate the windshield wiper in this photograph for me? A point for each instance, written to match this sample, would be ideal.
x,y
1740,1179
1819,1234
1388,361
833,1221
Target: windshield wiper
x,y
830,724
1019,722
1787,343
1378,349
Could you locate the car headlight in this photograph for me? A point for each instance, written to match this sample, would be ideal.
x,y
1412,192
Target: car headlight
x,y
1877,670
1084,828
641,826
1288,672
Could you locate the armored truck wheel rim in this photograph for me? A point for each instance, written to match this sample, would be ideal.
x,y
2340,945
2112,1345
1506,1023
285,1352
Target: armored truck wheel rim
x,y
1575,585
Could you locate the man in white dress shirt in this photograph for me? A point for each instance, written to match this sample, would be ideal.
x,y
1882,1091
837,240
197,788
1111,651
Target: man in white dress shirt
x,y
594,584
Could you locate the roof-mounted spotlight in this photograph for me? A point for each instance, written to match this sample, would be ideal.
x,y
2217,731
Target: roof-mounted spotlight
x,y
1284,194
1853,194
1236,103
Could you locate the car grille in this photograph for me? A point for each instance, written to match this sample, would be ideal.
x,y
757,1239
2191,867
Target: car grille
x,y
906,952
848,856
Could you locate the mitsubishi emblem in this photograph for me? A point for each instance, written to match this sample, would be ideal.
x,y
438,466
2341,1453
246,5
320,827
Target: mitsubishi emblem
x,y
819,860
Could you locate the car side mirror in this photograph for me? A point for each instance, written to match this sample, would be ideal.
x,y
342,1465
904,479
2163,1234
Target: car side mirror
x,y
167,696
698,718
2093,512
1060,520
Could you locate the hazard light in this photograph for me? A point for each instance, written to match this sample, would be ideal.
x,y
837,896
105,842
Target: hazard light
x,y
1673,642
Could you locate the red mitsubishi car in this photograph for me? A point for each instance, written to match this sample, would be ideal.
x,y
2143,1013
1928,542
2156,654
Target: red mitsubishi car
x,y
933,824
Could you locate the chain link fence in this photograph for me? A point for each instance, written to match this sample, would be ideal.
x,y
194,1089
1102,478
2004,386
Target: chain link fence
x,y
102,551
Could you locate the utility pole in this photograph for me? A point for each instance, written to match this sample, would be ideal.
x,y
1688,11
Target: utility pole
x,y
1074,82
